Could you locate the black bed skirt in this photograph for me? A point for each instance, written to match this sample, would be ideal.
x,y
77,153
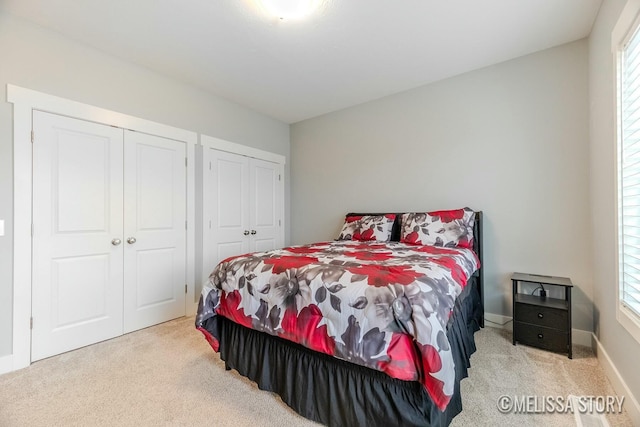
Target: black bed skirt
x,y
338,393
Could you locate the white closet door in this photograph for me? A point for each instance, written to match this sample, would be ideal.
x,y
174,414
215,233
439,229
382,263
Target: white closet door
x,y
227,201
154,230
77,248
264,193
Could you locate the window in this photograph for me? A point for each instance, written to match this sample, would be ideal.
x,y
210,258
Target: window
x,y
628,174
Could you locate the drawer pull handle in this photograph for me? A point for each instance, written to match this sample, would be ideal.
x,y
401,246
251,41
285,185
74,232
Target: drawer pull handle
x,y
540,315
540,336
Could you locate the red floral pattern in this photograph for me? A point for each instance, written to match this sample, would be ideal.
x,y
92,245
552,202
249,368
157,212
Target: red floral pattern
x,y
382,275
303,328
370,256
367,228
448,216
368,246
402,359
230,308
283,263
452,228
304,250
351,299
432,364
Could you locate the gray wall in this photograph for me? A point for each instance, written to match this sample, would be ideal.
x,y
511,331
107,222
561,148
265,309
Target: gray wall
x,y
45,61
621,347
511,140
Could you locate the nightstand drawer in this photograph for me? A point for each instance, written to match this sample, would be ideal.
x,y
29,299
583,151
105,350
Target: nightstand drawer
x,y
541,337
542,316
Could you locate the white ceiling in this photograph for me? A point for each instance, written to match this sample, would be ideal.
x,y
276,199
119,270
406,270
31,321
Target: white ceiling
x,y
349,52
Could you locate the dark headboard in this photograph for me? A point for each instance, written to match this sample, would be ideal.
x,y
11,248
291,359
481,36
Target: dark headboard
x,y
477,246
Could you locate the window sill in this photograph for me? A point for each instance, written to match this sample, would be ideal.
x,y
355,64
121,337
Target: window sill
x,y
629,320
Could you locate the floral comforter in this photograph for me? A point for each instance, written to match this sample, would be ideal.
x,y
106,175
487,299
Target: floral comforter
x,y
381,305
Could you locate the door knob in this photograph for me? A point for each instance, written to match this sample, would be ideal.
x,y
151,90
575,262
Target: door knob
x,y
253,232
131,240
116,242
246,232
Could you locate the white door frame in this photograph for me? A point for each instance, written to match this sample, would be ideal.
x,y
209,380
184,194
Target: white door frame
x,y
24,102
209,142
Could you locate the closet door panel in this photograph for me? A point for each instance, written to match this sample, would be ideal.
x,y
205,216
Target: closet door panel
x,y
226,201
77,250
265,192
155,230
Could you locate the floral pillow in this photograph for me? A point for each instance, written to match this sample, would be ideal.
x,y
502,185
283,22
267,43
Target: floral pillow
x,y
453,228
367,227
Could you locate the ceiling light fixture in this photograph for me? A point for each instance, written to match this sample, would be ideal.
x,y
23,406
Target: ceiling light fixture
x,y
289,9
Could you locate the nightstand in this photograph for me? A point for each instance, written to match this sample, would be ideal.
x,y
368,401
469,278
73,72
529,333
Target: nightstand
x,y
542,322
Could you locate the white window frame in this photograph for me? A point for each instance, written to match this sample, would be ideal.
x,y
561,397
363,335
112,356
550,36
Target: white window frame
x,y
628,23
24,102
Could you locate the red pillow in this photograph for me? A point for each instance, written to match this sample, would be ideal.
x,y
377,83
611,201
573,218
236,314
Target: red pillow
x,y
367,227
450,228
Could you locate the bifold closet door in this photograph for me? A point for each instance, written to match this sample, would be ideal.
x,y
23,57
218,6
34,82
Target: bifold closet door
x,y
77,267
243,202
264,205
154,240
227,202
109,232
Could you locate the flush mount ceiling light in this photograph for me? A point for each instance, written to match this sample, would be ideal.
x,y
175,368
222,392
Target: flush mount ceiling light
x,y
289,9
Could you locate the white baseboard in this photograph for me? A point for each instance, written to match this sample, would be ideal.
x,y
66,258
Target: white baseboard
x,y
497,321
6,364
581,337
618,383
192,309
578,336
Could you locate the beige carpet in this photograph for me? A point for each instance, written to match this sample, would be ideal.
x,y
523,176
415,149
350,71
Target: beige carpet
x,y
500,368
168,375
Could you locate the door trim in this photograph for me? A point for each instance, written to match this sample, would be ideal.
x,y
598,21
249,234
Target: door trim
x,y
24,102
243,150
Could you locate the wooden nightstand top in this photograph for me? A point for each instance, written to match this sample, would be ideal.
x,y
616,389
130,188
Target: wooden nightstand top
x,y
538,278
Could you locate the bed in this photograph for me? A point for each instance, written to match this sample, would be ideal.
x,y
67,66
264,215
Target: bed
x,y
375,328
